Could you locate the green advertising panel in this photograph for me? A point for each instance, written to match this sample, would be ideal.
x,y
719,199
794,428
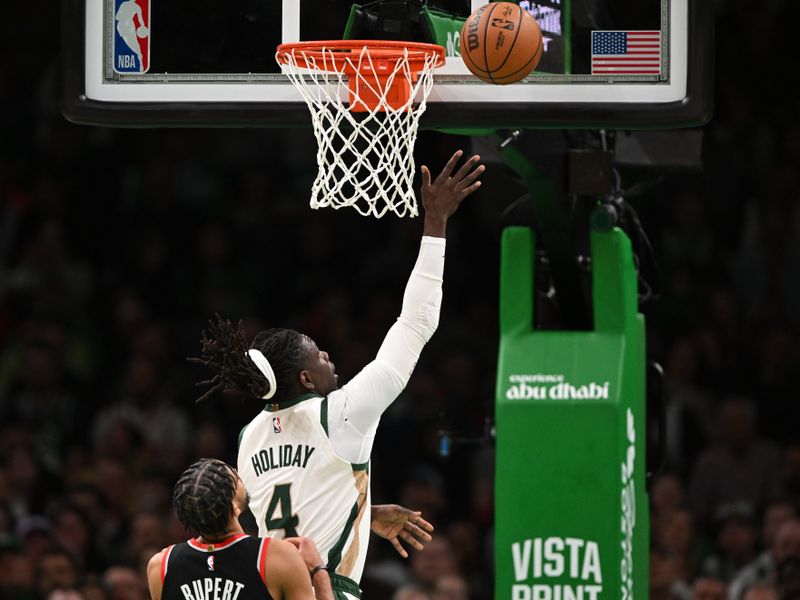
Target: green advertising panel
x,y
571,514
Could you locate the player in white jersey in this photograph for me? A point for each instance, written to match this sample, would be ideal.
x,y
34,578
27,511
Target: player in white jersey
x,y
304,459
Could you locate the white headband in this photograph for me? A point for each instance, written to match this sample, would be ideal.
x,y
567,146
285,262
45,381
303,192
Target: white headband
x,y
266,369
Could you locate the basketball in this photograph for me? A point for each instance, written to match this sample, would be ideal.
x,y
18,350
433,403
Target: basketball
x,y
501,43
142,31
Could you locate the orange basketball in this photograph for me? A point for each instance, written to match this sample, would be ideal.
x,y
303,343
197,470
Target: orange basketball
x,y
501,43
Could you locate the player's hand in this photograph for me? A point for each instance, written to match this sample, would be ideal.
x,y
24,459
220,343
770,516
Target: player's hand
x,y
395,522
308,551
443,195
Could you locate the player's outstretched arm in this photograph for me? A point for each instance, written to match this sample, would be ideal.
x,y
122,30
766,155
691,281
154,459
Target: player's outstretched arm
x,y
353,421
290,563
442,196
394,522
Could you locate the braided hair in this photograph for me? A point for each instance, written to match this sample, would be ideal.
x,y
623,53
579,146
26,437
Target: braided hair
x,y
203,497
224,348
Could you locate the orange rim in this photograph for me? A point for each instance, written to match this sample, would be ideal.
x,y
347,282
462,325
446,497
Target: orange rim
x,y
318,54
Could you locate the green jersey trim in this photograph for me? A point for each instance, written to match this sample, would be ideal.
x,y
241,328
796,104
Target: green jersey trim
x,y
335,554
241,435
323,416
270,407
361,466
340,584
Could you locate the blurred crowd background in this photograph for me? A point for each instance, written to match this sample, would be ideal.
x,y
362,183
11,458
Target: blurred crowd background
x,y
116,246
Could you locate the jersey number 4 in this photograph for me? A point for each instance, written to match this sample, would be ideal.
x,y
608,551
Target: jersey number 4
x,y
287,521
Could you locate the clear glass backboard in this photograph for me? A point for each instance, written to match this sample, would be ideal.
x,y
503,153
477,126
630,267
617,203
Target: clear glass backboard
x,y
622,63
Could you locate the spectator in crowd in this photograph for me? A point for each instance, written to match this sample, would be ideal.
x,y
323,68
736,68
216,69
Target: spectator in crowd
x,y
688,404
146,531
92,504
18,581
465,538
411,592
423,488
74,533
778,513
709,588
667,494
436,561
36,534
124,583
145,413
451,587
788,579
787,560
43,402
760,591
27,482
92,588
674,533
739,468
669,579
735,540
56,570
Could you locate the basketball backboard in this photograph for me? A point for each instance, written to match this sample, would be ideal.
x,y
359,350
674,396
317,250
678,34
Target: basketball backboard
x,y
190,62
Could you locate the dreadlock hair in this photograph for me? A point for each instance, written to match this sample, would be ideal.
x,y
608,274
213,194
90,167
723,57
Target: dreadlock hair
x,y
224,348
285,351
203,497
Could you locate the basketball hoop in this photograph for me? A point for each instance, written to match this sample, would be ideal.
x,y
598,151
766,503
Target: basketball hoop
x,y
366,99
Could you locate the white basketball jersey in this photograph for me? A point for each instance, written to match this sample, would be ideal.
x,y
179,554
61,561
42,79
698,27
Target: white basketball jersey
x,y
299,486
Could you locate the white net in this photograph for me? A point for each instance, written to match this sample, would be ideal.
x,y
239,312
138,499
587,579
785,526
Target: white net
x,y
365,157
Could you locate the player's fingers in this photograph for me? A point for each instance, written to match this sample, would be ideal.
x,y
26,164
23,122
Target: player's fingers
x,y
294,541
466,167
418,520
426,176
466,181
397,546
418,533
467,191
451,164
411,540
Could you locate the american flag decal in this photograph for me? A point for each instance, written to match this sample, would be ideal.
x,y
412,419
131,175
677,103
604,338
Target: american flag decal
x,y
626,52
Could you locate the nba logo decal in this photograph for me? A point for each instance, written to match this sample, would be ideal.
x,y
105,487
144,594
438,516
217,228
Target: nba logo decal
x,y
503,24
276,424
131,36
210,562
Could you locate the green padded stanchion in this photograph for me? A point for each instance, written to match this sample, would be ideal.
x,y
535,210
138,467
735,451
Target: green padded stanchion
x,y
571,514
